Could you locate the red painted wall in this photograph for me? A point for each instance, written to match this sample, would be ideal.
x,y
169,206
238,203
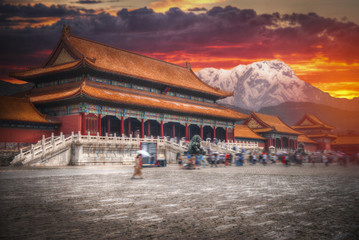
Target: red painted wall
x,y
262,144
310,147
70,123
22,135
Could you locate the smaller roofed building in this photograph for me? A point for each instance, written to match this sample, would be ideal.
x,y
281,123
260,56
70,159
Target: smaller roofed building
x,y
347,144
244,134
316,130
277,134
21,123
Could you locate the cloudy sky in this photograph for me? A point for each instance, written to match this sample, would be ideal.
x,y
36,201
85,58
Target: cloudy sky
x,y
319,39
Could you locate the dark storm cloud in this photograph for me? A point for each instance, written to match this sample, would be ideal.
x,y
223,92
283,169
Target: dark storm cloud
x,y
197,9
143,30
40,10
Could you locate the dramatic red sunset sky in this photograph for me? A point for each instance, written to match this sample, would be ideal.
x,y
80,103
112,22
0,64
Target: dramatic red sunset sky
x,y
319,39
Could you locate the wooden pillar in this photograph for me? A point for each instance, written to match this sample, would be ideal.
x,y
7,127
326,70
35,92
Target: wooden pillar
x,y
149,128
83,123
129,126
186,131
122,126
214,132
142,128
202,132
226,137
281,142
173,130
161,128
108,125
99,124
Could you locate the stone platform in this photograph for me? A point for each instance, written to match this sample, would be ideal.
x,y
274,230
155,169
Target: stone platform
x,y
249,202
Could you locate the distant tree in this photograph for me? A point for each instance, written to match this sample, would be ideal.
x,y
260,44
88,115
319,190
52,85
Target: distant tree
x,y
195,145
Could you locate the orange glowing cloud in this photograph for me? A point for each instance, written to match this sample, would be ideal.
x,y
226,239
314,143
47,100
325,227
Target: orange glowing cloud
x,y
164,5
348,90
33,22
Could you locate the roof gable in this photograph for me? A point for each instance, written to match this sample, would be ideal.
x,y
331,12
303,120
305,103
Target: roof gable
x,y
254,123
63,57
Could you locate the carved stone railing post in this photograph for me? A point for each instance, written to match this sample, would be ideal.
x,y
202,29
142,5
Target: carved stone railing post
x,y
32,152
43,145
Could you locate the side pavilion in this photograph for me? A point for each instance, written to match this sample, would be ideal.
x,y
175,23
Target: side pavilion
x,y
277,133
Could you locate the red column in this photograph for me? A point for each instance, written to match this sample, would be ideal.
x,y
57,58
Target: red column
x,y
202,132
108,125
270,142
99,124
161,128
129,126
186,131
122,126
83,123
149,128
142,128
173,130
214,131
226,135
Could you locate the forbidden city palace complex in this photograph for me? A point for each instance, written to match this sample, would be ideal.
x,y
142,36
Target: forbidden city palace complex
x,y
93,89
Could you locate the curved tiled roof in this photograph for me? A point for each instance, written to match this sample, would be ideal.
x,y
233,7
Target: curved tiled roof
x,y
110,59
242,131
314,121
305,139
19,109
274,123
43,71
133,97
322,135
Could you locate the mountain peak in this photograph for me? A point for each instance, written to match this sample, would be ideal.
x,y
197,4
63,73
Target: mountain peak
x,y
266,83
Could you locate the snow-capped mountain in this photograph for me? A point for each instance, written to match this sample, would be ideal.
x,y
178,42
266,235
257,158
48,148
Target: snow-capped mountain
x,y
268,83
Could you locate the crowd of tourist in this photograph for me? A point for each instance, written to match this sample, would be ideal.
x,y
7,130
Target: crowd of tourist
x,y
215,159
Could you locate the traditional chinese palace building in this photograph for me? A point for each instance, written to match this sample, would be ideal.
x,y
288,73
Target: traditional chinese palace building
x,y
277,134
243,133
91,87
316,130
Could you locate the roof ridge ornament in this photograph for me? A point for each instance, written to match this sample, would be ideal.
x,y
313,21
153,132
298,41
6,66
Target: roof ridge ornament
x,y
66,29
188,65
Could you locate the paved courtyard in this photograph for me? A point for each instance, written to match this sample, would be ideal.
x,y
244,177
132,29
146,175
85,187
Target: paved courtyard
x,y
249,202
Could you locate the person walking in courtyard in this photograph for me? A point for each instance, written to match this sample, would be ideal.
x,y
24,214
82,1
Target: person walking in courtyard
x,y
180,161
138,167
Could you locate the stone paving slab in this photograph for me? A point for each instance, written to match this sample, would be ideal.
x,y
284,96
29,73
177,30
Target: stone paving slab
x,y
249,202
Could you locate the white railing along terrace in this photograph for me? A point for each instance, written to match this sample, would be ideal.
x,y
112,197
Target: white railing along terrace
x,y
53,144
